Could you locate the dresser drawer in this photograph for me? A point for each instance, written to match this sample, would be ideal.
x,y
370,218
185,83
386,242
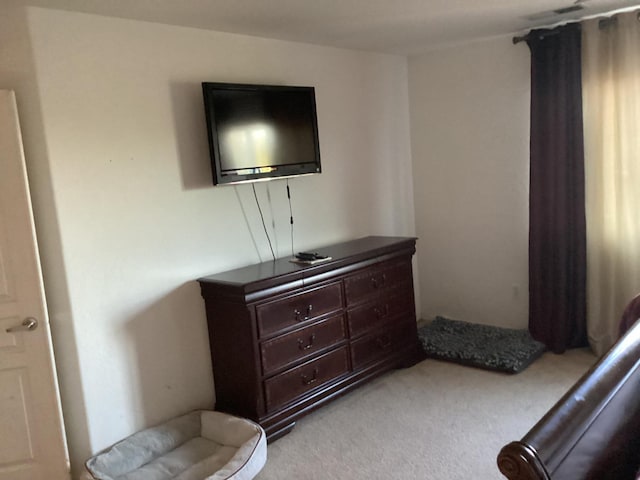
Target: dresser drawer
x,y
382,343
372,281
297,309
285,387
381,311
294,346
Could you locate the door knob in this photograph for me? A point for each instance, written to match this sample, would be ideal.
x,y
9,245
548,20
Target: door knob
x,y
28,324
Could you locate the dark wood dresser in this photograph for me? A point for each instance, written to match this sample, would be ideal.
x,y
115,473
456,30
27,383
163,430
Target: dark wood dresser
x,y
287,338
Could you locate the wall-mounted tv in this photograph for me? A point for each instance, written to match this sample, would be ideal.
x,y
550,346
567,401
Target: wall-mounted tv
x,y
260,132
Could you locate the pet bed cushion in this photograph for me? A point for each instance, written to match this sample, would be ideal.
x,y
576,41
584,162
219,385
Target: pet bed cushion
x,y
484,346
201,445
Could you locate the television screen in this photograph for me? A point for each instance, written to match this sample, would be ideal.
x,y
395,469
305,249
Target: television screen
x,y
259,132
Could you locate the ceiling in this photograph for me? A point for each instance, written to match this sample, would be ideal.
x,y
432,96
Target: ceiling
x,y
392,26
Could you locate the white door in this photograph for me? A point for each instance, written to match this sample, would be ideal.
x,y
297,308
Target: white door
x,y
32,440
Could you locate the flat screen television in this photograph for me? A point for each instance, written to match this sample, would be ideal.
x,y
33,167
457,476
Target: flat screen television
x,y
260,132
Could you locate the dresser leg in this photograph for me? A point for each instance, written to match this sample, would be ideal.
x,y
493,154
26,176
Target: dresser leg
x,y
281,432
417,356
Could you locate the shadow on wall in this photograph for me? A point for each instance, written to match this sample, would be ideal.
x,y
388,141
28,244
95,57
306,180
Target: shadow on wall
x,y
171,364
191,135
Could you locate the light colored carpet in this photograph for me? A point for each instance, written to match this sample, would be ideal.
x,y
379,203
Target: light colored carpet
x,y
436,421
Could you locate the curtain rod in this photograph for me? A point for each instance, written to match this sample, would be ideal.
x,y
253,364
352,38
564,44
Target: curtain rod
x,y
604,22
524,38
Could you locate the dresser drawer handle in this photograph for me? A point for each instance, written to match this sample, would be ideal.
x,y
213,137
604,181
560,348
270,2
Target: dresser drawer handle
x,y
304,347
310,380
300,317
383,342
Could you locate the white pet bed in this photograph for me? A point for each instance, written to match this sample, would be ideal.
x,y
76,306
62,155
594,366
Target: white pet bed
x,y
201,445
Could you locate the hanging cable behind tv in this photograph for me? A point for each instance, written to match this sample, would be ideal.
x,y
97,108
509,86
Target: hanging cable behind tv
x,y
305,258
255,195
290,216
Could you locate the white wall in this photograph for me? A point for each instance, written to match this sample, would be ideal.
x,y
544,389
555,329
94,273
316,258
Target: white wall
x,y
470,131
126,214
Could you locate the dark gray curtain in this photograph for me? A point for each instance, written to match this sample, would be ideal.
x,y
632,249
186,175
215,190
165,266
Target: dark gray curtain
x,y
557,226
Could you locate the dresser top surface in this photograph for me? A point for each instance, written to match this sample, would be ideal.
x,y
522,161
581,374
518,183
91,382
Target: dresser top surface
x,y
345,252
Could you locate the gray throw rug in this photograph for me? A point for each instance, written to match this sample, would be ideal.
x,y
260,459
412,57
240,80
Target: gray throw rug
x,y
483,346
